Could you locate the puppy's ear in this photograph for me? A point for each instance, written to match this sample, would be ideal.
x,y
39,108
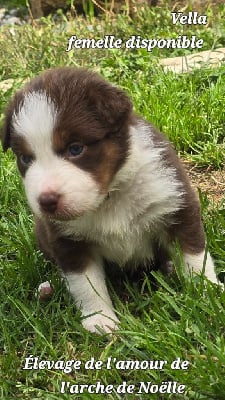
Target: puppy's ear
x,y
6,128
111,105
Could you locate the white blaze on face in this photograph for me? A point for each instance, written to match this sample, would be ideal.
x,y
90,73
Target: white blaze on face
x,y
78,190
35,121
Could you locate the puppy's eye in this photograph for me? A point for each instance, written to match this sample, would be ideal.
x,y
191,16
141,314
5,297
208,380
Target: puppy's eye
x,y
26,159
75,149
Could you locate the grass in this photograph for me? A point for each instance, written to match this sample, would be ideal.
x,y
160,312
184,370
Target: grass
x,y
182,318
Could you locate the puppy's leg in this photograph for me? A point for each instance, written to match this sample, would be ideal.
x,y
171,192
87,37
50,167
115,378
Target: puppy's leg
x,y
84,272
199,261
90,293
190,234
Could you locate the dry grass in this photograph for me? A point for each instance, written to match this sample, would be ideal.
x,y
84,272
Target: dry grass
x,y
208,180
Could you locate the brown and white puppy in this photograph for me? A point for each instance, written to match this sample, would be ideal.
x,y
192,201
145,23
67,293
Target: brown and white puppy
x,y
103,184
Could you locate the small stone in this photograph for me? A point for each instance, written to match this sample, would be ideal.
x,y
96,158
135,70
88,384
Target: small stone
x,y
2,13
6,84
13,12
8,20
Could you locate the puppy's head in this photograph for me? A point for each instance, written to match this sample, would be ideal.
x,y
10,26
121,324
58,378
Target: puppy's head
x,y
69,130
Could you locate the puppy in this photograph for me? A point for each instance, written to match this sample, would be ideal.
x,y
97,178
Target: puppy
x,y
103,184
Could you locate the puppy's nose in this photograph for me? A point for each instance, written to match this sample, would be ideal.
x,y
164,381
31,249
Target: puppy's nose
x,y
49,201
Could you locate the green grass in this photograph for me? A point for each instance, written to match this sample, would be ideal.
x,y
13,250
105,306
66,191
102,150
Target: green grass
x,y
182,318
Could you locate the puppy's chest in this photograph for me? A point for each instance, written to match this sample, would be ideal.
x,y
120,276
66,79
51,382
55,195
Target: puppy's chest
x,y
122,244
120,236
132,247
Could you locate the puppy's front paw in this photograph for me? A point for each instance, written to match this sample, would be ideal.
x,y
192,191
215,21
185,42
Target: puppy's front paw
x,y
99,322
44,291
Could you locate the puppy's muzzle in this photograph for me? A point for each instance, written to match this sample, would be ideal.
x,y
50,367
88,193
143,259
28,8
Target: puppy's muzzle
x,y
49,201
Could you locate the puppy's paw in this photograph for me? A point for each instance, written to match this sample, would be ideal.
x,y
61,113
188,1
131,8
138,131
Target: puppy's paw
x,y
44,291
169,268
99,322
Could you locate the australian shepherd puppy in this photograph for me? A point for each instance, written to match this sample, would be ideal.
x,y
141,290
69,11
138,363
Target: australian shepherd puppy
x,y
103,184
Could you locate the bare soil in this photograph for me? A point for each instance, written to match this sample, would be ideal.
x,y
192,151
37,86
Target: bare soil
x,y
208,180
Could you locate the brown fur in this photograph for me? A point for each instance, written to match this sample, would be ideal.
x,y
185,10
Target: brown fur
x,y
68,254
187,226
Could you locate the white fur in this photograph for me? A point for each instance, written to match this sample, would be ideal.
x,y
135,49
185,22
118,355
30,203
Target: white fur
x,y
35,121
44,285
91,296
199,262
